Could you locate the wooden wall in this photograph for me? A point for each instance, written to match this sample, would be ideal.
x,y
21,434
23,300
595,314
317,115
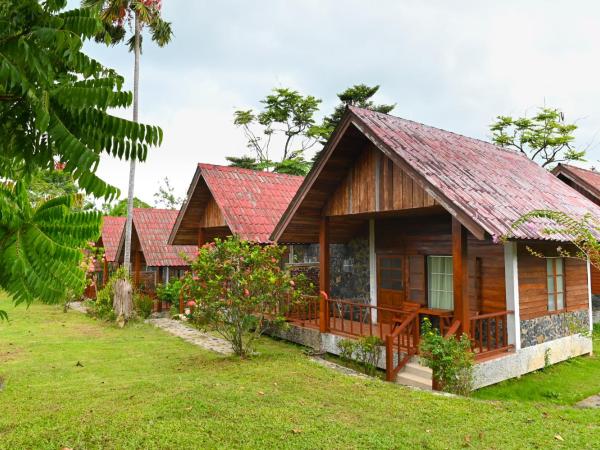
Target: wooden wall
x,y
533,290
374,183
212,215
595,281
419,238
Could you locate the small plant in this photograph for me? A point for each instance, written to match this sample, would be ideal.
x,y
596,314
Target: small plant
x,y
169,292
450,359
143,305
547,362
365,351
347,348
102,307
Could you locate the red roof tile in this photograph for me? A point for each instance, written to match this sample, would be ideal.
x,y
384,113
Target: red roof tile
x,y
491,185
251,201
112,228
153,227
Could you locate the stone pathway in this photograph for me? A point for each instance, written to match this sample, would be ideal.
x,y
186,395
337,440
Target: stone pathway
x,y
78,306
590,402
193,336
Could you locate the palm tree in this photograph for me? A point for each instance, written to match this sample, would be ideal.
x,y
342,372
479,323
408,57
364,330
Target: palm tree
x,y
117,16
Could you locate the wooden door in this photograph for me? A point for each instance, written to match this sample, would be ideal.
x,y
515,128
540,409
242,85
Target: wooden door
x,y
390,284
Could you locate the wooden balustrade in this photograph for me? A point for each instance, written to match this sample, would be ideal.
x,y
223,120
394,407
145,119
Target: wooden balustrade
x,y
402,342
453,329
489,333
304,311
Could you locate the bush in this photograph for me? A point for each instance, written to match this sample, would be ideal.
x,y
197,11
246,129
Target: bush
x,y
450,359
169,292
366,351
238,287
102,307
143,305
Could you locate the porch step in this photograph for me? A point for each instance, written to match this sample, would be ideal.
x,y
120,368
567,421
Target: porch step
x,y
415,375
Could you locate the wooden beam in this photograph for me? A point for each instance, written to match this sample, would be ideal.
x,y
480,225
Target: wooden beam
x,y
136,268
104,272
460,275
324,272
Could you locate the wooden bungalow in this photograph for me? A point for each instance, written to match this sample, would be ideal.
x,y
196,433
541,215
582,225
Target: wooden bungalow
x,y
586,182
224,201
409,220
154,260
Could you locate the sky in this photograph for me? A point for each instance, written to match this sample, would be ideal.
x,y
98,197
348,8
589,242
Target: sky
x,y
454,65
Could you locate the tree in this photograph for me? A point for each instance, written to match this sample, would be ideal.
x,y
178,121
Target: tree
x,y
545,138
119,209
287,116
358,95
114,14
165,196
239,287
53,108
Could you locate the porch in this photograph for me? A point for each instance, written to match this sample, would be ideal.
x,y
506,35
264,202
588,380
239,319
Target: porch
x,y
398,328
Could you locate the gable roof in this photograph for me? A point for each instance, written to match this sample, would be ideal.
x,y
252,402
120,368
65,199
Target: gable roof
x,y
486,187
152,226
589,180
250,201
112,228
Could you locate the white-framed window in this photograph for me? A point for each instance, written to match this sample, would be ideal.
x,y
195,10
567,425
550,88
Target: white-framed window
x,y
439,282
556,283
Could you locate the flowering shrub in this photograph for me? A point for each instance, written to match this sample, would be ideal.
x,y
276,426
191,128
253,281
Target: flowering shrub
x,y
239,289
169,292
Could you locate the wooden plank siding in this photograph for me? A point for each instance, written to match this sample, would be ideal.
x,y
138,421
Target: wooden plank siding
x,y
375,184
432,236
533,289
595,281
212,216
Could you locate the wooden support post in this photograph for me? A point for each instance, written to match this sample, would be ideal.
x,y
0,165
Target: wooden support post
x,y
136,268
181,307
460,275
104,272
201,236
324,273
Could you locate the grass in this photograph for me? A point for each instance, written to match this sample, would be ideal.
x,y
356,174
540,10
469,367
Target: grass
x,y
565,383
141,388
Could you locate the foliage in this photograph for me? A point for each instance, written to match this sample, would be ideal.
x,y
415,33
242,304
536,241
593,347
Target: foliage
x,y
545,138
366,350
48,184
119,208
286,115
450,359
165,196
54,98
169,292
283,400
583,233
54,103
143,304
102,308
238,287
40,248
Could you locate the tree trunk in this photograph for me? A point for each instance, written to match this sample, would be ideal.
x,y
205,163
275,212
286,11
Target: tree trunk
x,y
123,301
130,193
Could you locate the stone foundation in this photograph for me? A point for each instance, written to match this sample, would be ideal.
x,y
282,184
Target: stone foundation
x,y
551,327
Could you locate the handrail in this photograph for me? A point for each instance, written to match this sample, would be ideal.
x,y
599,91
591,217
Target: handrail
x,y
453,329
403,339
489,333
490,315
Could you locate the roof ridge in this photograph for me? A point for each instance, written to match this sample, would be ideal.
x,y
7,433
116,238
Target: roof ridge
x,y
496,146
245,170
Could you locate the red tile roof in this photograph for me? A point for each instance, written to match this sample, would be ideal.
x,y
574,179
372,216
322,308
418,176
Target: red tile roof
x,y
112,228
588,179
153,227
251,202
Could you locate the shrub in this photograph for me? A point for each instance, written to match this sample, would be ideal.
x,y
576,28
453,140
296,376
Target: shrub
x,y
143,305
169,292
102,307
238,287
366,351
450,359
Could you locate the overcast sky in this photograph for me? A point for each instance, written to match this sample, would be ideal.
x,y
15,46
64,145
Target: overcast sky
x,y
454,65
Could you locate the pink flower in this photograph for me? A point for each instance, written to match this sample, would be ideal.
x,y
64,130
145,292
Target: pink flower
x,y
292,283
246,293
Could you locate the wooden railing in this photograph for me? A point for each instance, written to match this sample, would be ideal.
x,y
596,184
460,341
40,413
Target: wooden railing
x,y
359,319
403,341
489,333
453,329
304,311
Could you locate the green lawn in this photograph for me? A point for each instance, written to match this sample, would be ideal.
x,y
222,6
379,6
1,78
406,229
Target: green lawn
x,y
141,388
565,383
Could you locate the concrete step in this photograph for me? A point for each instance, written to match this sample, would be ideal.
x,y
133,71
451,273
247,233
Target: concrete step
x,y
409,379
414,368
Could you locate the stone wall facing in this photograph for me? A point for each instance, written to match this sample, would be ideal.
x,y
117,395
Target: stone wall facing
x,y
596,308
349,270
551,327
